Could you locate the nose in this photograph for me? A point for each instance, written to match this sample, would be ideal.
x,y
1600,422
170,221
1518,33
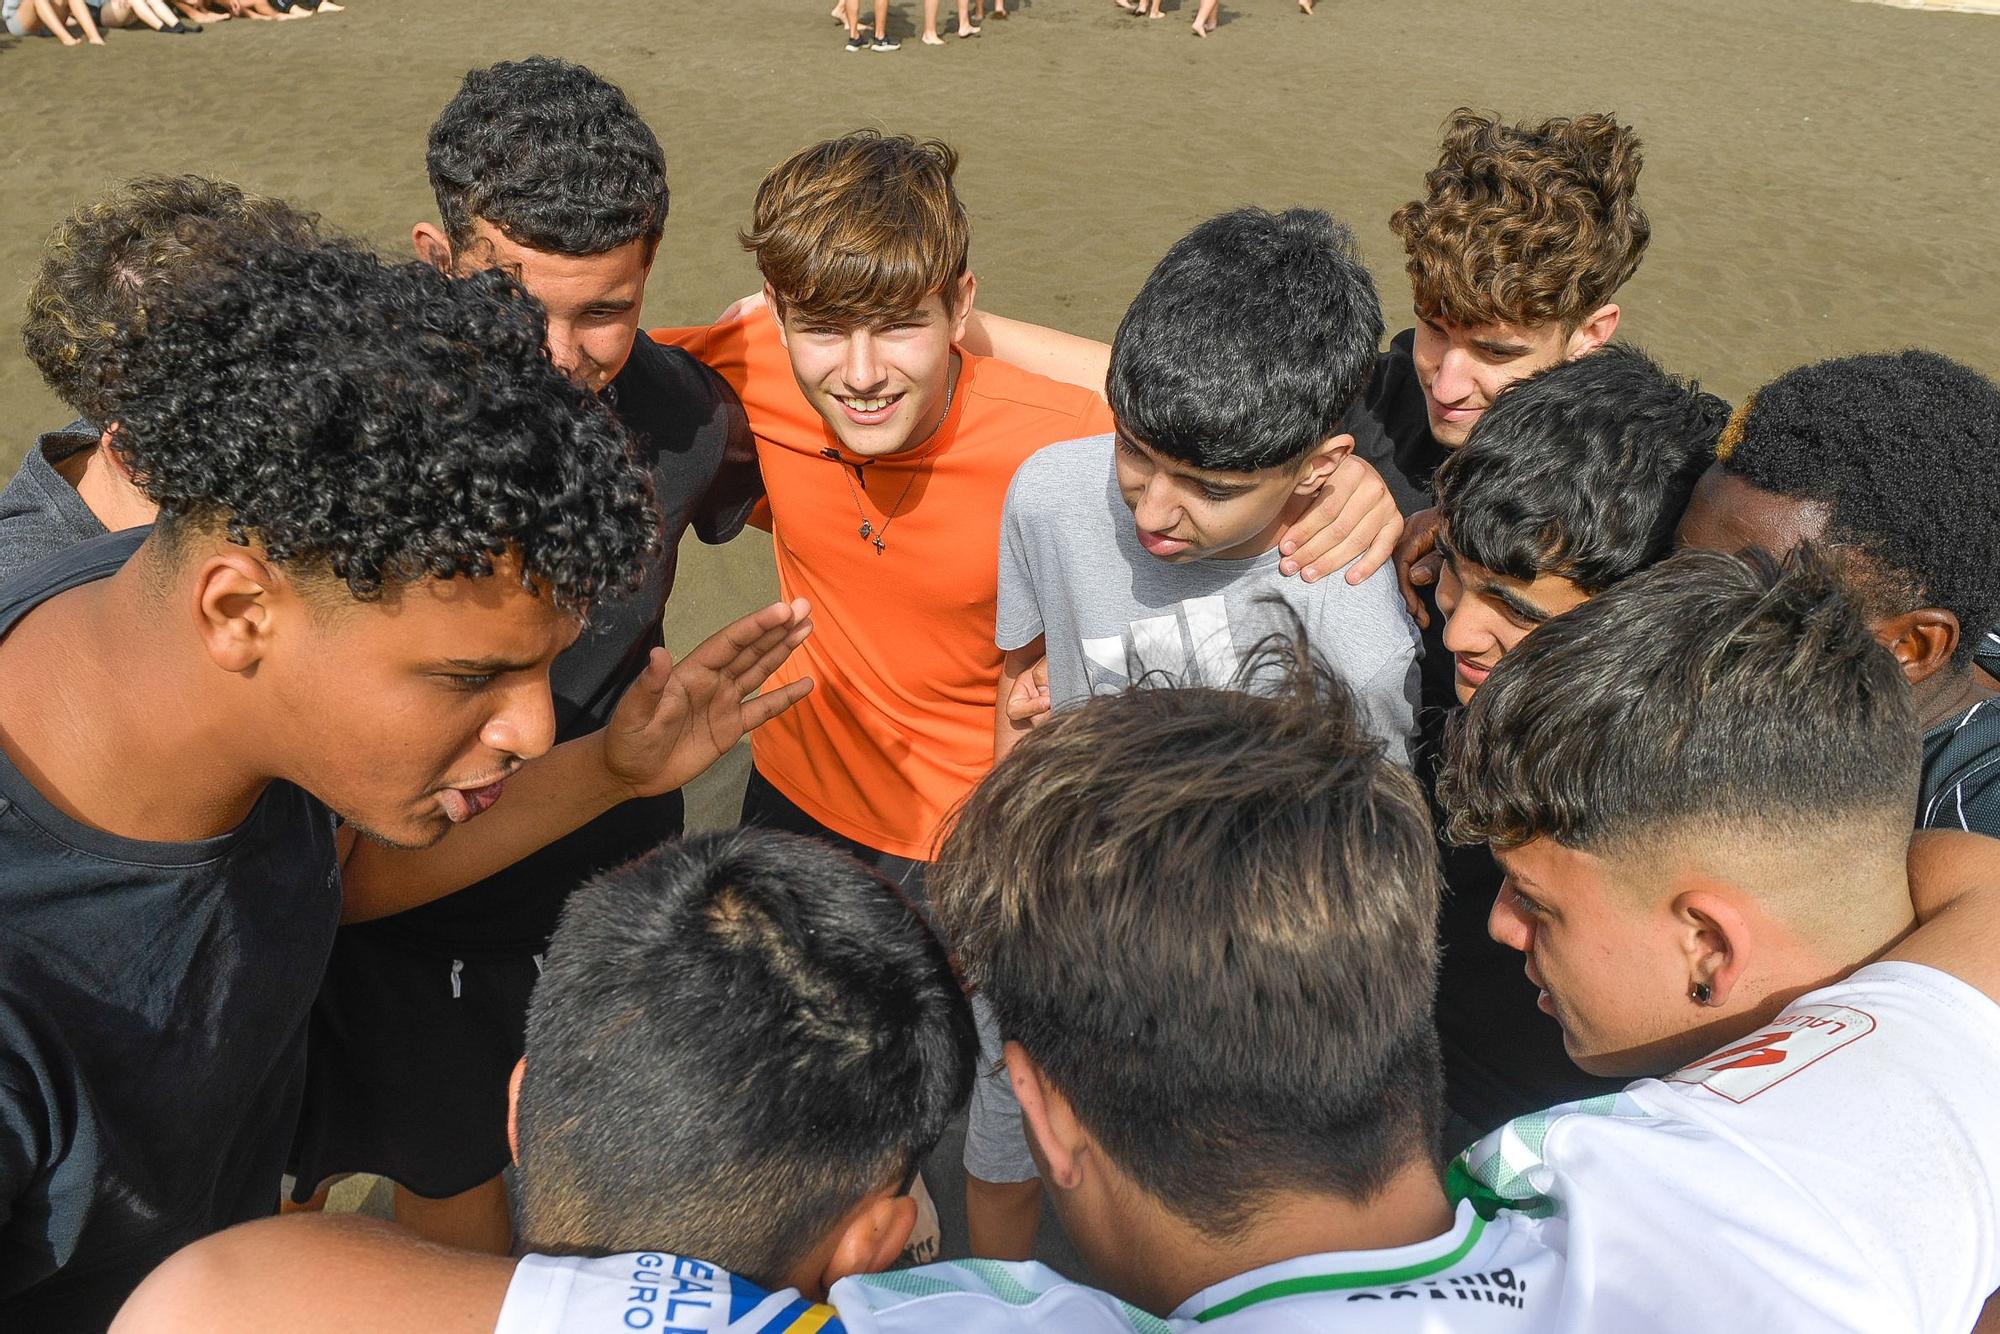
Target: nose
x,y
863,365
1157,511
1507,924
525,724
1462,633
1453,382
565,351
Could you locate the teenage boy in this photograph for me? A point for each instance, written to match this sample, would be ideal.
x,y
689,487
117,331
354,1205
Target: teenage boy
x,y
1892,461
1154,548
316,614
670,1100
544,170
1571,481
886,450
97,268
1699,785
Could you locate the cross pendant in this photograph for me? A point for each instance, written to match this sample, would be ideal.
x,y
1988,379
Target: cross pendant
x,y
878,546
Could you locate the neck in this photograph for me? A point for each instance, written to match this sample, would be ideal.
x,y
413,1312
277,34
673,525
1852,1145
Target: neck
x,y
1947,695
1181,1261
131,736
109,494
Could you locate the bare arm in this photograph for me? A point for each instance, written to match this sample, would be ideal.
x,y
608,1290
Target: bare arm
x,y
52,19
673,722
1955,888
1083,362
1010,722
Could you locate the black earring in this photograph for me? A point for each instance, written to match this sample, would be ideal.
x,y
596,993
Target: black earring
x,y
1700,993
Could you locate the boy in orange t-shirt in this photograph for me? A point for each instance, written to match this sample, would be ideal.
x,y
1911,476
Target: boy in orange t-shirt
x,y
886,451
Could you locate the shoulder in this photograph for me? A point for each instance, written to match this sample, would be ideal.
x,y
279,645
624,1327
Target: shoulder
x,y
318,1272
1022,401
1961,778
1066,463
983,1297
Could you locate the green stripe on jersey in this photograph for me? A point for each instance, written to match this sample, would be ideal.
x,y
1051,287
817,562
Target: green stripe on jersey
x,y
1374,1278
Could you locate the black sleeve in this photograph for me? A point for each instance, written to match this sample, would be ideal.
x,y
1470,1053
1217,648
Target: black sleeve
x,y
1384,419
738,485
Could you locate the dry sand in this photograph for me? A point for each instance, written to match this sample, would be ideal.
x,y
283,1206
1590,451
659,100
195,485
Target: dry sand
x,y
1820,174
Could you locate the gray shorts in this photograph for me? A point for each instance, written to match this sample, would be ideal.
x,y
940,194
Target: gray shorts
x,y
996,1143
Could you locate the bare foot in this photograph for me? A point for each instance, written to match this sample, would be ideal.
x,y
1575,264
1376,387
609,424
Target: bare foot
x,y
1127,5
968,32
932,39
1305,6
1200,31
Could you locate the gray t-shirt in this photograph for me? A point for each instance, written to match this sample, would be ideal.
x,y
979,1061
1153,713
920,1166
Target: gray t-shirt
x,y
40,511
1072,569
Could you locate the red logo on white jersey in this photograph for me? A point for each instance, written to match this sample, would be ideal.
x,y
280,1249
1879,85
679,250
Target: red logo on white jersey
x,y
1794,1040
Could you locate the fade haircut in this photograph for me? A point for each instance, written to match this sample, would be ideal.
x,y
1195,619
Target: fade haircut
x,y
1525,224
1209,917
1708,694
552,155
1248,342
102,262
860,229
1580,471
734,1040
376,424
1902,449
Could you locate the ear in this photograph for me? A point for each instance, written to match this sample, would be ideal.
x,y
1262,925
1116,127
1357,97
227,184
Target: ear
x,y
114,457
1714,935
432,246
1922,641
870,1238
960,301
1595,331
514,1110
1051,1124
235,604
1321,464
778,315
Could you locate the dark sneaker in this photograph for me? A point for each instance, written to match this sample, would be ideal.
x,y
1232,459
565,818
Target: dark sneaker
x,y
857,43
885,44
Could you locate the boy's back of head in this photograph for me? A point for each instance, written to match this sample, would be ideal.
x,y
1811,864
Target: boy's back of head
x,y
1581,471
860,229
1525,224
734,1041
552,155
100,269
1208,917
1248,341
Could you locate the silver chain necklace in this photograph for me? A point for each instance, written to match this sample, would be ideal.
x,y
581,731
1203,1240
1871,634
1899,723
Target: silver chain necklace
x,y
869,532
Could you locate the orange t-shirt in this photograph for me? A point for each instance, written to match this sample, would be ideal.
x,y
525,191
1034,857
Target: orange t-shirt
x,y
899,726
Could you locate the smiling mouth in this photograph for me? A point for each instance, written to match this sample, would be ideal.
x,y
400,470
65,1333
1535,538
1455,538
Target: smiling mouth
x,y
876,406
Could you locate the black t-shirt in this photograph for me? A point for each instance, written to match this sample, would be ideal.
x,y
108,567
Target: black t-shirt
x,y
691,433
40,512
1961,782
1392,428
153,1003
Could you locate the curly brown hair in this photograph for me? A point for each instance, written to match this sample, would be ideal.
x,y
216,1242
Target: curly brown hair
x,y
1525,224
100,259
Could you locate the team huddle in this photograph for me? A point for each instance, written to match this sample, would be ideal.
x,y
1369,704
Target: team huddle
x,y
1482,835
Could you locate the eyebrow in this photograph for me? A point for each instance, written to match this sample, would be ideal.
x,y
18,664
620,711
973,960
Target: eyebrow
x,y
1499,347
487,666
1175,469
614,304
1519,605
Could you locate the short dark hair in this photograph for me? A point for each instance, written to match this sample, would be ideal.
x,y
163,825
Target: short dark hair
x,y
1249,341
1710,690
1581,471
379,423
103,261
733,1041
1903,450
1209,917
552,155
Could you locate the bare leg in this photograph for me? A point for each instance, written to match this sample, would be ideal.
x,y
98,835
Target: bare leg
x,y
930,36
81,13
1002,1216
849,13
1204,17
965,28
474,1221
881,16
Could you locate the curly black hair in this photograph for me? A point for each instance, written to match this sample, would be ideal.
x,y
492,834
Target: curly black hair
x,y
382,422
1581,471
1903,450
552,155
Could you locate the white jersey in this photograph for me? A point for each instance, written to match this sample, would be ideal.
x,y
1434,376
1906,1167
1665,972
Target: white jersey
x,y
1494,1277
1837,1170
